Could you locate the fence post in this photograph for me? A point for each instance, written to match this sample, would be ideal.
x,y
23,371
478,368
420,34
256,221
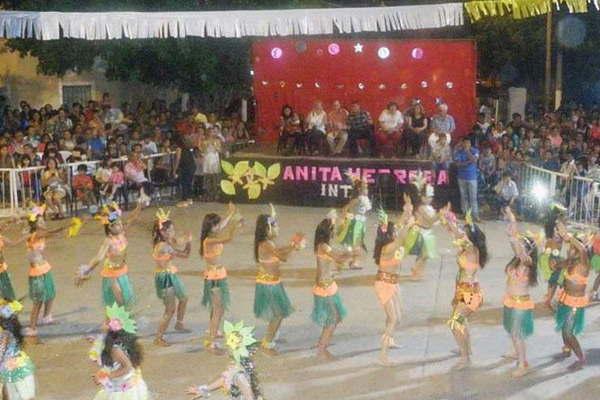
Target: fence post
x,y
552,190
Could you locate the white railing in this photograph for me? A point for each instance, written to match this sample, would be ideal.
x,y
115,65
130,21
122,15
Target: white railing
x,y
19,186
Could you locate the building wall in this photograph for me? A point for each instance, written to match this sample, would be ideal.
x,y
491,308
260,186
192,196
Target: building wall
x,y
19,80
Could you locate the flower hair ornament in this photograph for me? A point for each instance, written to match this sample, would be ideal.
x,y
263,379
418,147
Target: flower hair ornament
x,y
36,212
238,339
272,214
9,308
110,214
382,219
75,227
419,181
162,216
120,319
332,214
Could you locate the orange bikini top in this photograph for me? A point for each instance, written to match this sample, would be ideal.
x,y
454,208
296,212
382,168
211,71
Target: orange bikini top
x,y
212,250
323,255
576,278
164,255
394,261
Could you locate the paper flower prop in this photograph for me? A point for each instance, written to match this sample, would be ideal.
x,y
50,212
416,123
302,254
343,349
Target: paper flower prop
x,y
119,318
162,217
75,227
419,181
10,308
36,212
238,338
110,214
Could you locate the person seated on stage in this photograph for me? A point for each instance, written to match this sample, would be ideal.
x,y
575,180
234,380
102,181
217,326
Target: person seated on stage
x,y
316,122
416,129
391,125
337,129
290,131
360,127
443,122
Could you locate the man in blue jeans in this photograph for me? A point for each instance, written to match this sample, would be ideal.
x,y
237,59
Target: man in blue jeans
x,y
466,158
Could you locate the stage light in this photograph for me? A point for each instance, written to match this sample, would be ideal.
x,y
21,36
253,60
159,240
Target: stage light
x,y
424,84
404,86
276,53
319,52
265,83
417,53
282,83
449,85
383,53
381,86
334,49
539,191
317,85
298,85
251,72
358,48
361,86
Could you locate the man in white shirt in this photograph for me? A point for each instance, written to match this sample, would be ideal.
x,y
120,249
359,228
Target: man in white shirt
x,y
391,125
443,122
316,126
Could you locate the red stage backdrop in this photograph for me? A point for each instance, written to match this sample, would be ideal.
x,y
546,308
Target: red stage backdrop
x,y
374,72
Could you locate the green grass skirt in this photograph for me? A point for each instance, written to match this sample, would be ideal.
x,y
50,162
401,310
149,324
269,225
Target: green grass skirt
x,y
126,287
570,318
595,261
221,287
553,277
6,288
518,323
163,281
420,242
42,288
271,301
352,233
328,310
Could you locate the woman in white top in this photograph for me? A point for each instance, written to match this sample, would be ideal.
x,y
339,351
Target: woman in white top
x,y
391,124
316,123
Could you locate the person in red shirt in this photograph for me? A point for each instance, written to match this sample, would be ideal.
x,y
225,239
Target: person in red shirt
x,y
83,185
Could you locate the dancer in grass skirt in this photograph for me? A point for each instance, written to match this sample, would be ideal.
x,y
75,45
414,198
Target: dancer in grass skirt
x,y
353,229
16,368
328,310
42,289
389,253
552,255
521,275
169,287
572,298
216,231
595,264
468,297
239,381
112,255
271,302
6,288
420,241
119,355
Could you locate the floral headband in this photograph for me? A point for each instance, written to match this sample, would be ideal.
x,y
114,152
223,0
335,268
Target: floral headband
x,y
238,338
110,214
36,212
273,215
162,217
9,308
382,218
120,319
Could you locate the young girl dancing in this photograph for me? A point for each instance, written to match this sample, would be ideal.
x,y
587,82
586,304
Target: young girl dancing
x,y
119,355
240,380
271,302
353,229
572,298
328,310
388,255
521,274
472,257
551,256
169,288
6,288
420,241
42,290
116,286
16,369
216,231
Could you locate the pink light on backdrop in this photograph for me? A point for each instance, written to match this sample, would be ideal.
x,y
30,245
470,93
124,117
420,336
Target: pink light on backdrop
x,y
360,76
276,53
334,49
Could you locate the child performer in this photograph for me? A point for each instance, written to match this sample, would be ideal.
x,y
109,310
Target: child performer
x,y
271,302
468,297
388,255
216,231
328,310
595,263
6,288
572,299
169,288
551,256
240,380
421,240
120,355
16,369
521,274
116,286
42,290
353,229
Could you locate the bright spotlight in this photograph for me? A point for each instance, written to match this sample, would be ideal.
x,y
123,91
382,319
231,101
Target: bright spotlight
x,y
383,53
539,191
276,53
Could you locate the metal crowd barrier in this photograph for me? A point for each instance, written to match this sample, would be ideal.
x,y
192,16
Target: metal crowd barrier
x,y
20,186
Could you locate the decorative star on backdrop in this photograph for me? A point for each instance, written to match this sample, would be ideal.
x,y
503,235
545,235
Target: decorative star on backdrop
x,y
358,48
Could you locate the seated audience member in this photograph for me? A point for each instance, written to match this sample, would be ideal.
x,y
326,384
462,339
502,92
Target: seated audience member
x,y
116,179
135,174
83,185
337,129
416,130
506,192
149,147
443,122
487,166
441,154
290,131
360,127
316,126
391,124
54,187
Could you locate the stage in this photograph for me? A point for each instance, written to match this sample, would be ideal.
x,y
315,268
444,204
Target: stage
x,y
259,175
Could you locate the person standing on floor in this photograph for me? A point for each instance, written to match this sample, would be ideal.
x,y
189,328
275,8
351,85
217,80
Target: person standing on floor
x,y
466,158
185,168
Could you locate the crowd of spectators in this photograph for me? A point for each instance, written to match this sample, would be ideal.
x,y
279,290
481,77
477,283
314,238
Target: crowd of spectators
x,y
119,137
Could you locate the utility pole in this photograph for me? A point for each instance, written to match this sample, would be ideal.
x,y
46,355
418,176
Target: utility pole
x,y
548,83
558,90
